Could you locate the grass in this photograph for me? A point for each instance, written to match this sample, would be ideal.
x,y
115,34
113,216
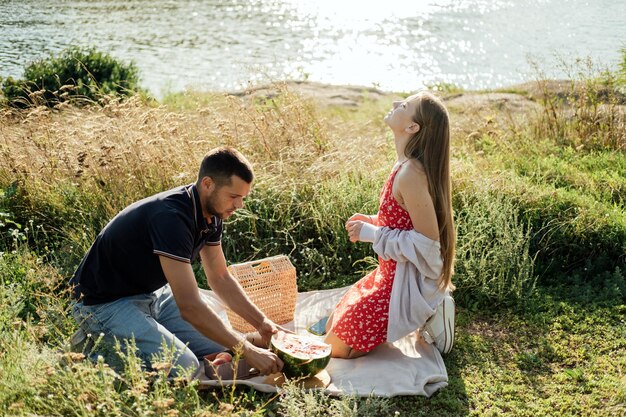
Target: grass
x,y
541,266
554,357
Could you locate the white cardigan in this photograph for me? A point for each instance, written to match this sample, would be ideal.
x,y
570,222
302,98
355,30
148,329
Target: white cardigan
x,y
414,295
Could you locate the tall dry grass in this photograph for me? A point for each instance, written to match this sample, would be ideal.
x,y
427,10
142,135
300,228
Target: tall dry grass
x,y
128,150
77,167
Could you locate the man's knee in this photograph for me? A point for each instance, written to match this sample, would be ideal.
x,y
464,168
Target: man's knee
x,y
186,364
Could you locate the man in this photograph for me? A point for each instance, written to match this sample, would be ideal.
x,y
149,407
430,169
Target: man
x,y
136,280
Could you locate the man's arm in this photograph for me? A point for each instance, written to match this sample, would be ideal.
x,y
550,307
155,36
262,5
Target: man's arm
x,y
231,293
194,310
227,287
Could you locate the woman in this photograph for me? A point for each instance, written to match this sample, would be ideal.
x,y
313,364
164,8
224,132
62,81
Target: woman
x,y
413,234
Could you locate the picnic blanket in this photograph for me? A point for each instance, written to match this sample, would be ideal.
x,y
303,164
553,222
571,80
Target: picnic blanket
x,y
409,366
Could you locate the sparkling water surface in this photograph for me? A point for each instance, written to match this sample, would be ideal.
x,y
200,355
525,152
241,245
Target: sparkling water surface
x,y
395,45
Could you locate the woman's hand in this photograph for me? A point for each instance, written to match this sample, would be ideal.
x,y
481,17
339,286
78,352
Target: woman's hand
x,y
364,218
354,229
355,223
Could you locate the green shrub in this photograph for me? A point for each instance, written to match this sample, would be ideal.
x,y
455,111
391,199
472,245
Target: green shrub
x,y
43,294
494,264
603,289
307,223
12,300
55,225
572,233
75,73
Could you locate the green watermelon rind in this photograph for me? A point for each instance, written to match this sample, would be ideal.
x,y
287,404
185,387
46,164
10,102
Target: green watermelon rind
x,y
297,367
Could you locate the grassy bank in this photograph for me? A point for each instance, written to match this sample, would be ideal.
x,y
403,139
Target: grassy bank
x,y
539,179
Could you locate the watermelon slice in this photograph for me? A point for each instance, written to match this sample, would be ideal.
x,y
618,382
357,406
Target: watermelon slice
x,y
303,356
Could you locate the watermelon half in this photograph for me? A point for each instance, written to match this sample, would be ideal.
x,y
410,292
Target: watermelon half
x,y
303,356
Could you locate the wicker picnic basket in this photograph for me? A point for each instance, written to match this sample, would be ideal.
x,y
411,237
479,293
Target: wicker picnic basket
x,y
271,284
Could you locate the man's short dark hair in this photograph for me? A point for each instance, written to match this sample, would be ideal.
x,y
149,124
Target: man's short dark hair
x,y
222,163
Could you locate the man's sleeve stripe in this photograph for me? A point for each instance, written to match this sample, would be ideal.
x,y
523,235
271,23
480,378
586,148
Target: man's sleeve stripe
x,y
169,255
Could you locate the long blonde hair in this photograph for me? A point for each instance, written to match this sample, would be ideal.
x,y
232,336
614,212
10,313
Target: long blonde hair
x,y
431,146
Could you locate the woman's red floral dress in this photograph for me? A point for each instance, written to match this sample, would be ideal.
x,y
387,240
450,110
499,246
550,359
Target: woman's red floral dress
x,y
361,317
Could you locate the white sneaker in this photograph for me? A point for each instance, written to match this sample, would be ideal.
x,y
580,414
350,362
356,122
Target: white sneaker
x,y
439,329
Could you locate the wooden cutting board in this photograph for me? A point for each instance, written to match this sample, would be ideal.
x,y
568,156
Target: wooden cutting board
x,y
321,380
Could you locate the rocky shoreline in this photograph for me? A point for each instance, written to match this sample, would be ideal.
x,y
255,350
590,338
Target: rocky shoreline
x,y
516,98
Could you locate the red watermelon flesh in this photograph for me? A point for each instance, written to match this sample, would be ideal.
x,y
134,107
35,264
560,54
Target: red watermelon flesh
x,y
303,356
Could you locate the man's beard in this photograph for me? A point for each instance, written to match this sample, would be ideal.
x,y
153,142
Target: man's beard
x,y
209,207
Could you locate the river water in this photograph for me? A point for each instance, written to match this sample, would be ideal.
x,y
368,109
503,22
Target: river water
x,y
395,45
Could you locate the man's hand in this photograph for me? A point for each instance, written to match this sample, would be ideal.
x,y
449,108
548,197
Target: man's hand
x,y
267,329
262,359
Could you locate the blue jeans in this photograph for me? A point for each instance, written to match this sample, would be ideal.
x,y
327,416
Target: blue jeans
x,y
151,319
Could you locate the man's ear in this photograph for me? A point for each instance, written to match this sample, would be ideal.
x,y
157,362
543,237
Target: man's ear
x,y
208,183
412,128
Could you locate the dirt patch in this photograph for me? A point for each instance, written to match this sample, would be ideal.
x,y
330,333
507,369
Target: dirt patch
x,y
568,89
468,103
479,102
324,94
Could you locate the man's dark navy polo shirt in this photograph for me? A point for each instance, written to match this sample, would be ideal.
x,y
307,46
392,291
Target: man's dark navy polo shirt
x,y
124,259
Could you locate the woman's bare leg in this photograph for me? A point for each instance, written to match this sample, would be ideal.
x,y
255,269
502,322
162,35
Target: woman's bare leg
x,y
340,349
